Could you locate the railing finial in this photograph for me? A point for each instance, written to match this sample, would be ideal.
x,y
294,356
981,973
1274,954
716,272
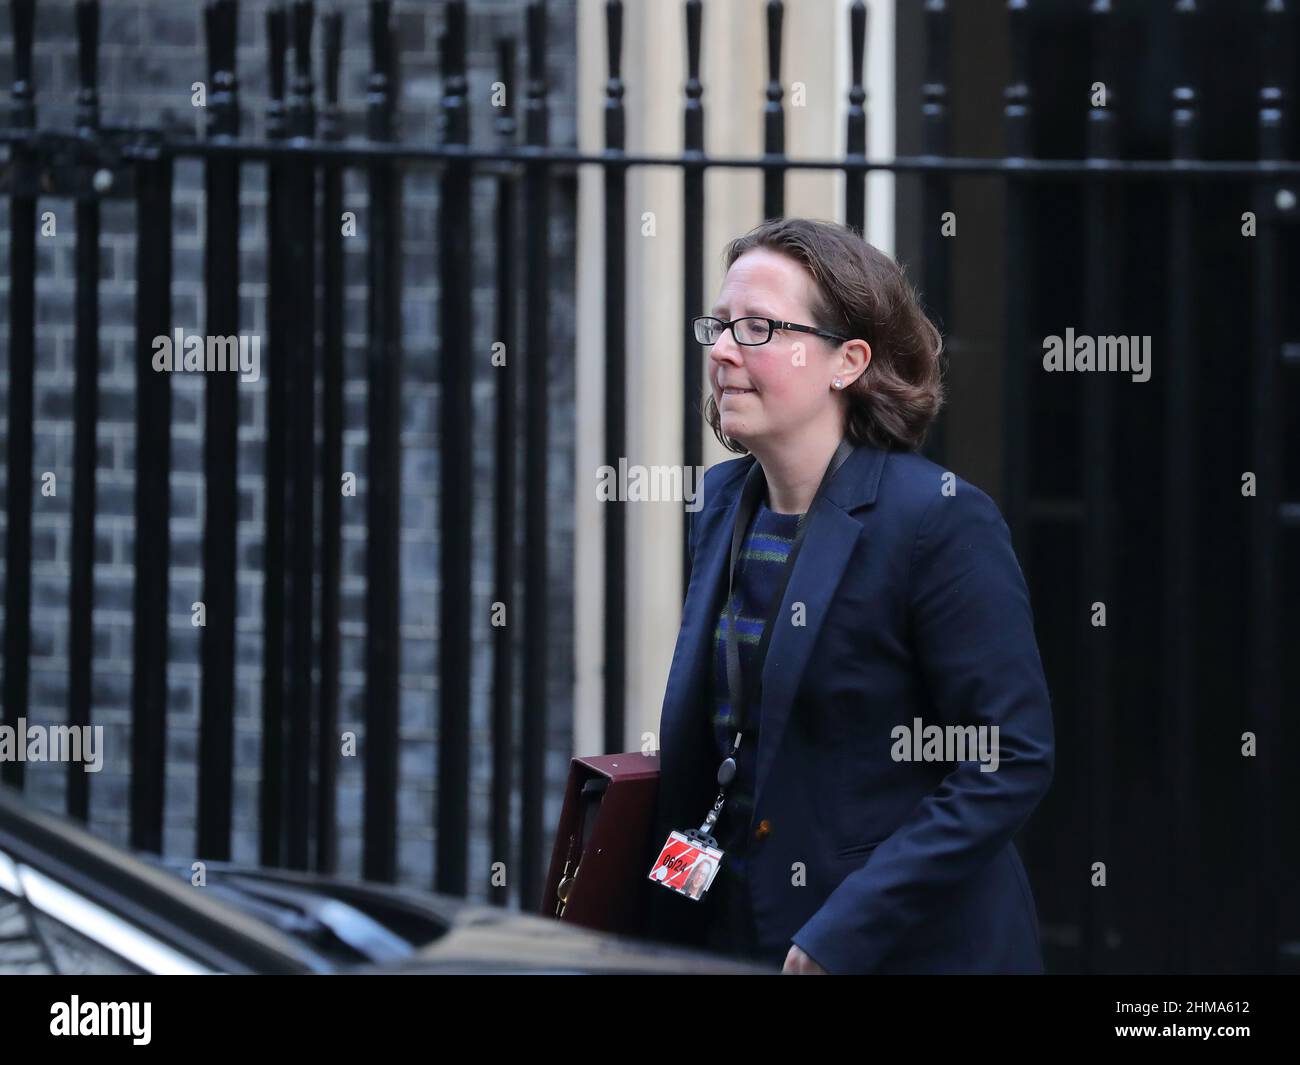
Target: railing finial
x,y
220,18
1016,96
22,110
331,125
302,111
1277,53
535,121
379,86
277,46
87,64
614,115
455,103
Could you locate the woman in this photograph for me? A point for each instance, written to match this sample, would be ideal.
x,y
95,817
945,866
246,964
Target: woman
x,y
896,728
699,877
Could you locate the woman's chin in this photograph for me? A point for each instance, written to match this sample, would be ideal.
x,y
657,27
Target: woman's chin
x,y
736,429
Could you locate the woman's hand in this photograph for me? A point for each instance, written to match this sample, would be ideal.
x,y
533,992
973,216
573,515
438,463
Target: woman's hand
x,y
799,962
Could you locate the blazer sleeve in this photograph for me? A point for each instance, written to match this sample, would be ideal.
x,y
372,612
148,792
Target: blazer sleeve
x,y
972,633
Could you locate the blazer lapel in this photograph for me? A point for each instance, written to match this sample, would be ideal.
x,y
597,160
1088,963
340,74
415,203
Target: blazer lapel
x,y
828,544
683,704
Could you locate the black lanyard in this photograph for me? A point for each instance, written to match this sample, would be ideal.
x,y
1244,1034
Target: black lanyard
x,y
749,496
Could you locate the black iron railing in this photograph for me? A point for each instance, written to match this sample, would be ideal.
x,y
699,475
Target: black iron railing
x,y
308,156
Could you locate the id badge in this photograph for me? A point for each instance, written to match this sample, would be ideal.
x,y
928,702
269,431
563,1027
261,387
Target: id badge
x,y
686,866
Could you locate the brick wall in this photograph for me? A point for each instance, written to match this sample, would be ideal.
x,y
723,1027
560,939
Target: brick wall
x,y
152,51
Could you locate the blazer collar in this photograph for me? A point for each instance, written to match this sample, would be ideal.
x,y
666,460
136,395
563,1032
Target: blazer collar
x,y
855,483
828,545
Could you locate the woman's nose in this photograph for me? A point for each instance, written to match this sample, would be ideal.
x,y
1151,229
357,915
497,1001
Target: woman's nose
x,y
725,349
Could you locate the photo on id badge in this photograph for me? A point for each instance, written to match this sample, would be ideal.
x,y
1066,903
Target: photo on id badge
x,y
685,866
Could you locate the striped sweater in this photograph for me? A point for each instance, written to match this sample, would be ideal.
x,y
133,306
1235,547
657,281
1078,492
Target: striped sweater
x,y
759,572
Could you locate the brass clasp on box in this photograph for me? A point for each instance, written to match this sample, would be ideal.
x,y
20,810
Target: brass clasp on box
x,y
564,889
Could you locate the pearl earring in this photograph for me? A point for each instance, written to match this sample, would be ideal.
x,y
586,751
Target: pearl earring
x,y
838,383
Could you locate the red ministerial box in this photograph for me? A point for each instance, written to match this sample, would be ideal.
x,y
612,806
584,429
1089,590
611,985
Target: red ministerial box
x,y
605,823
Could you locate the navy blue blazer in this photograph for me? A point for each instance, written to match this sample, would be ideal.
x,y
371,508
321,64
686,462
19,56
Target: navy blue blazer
x,y
914,607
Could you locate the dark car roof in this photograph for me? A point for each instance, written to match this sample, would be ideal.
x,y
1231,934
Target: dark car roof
x,y
170,910
254,920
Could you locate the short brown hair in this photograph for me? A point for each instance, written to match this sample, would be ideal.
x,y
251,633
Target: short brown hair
x,y
861,293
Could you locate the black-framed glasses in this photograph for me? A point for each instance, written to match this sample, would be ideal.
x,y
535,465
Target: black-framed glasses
x,y
750,331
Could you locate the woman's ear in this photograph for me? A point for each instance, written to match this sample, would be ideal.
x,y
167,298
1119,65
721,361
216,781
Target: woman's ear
x,y
855,357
